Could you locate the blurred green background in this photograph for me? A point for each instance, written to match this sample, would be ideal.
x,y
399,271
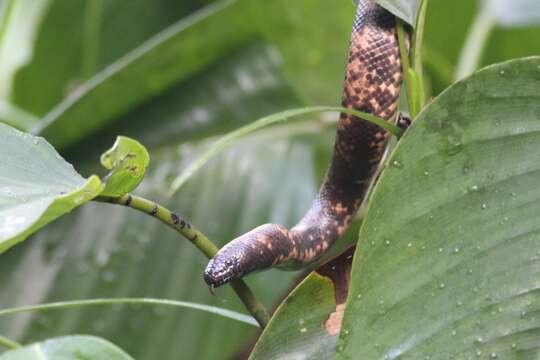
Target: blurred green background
x,y
177,75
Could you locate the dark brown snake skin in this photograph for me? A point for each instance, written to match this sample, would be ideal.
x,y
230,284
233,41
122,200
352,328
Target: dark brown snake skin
x,y
372,85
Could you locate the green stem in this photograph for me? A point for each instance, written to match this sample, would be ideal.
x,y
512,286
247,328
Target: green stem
x,y
475,43
207,247
125,301
268,121
406,66
8,343
7,10
254,306
417,59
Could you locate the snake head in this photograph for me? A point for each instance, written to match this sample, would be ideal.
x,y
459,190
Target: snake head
x,y
221,270
255,250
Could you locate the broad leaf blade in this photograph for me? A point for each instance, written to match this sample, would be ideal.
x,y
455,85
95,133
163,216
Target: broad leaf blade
x,y
404,9
448,263
147,71
295,330
307,323
36,186
68,348
127,160
59,61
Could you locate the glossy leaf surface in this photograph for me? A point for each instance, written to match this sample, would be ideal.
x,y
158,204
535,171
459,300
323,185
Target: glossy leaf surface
x,y
448,263
68,348
36,186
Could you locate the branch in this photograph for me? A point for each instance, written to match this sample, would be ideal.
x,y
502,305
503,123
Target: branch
x,y
197,238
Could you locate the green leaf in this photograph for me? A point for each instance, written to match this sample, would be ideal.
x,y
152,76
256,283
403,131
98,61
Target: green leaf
x,y
58,62
146,71
36,186
19,25
307,323
176,55
449,260
127,160
68,348
404,9
295,330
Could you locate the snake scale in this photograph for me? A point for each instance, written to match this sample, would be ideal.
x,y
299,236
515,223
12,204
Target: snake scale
x,y
372,84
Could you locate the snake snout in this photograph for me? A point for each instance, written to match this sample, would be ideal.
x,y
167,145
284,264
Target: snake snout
x,y
249,252
220,271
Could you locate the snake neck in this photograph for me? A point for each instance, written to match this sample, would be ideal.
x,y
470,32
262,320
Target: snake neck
x,y
372,85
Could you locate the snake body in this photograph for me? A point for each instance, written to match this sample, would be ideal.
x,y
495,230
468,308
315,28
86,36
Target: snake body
x,y
372,85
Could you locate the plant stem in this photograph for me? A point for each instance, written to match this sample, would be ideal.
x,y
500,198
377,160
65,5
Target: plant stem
x,y
406,66
268,121
125,301
417,60
7,9
475,43
207,247
8,343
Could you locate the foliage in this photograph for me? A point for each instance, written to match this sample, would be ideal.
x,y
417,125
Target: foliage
x,y
37,186
68,347
127,160
218,68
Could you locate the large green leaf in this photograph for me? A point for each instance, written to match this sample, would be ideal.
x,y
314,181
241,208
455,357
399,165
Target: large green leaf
x,y
448,264
307,323
76,39
19,25
175,55
295,330
36,186
68,348
147,71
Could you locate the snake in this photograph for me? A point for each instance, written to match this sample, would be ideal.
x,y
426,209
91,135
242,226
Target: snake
x,y
372,85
